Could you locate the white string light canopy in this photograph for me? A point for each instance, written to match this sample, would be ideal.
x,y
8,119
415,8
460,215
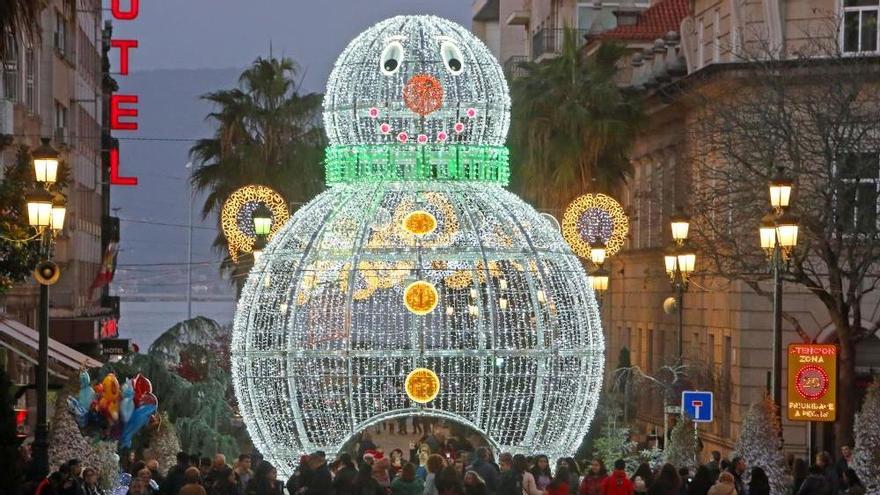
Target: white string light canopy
x,y
416,263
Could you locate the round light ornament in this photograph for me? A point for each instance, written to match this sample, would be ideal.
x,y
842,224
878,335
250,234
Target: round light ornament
x,y
595,218
422,385
420,297
236,217
420,223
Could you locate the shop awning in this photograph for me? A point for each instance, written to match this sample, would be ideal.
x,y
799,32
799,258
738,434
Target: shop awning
x,y
15,335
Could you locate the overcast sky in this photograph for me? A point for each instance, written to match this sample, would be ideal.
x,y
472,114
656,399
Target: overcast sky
x,y
232,33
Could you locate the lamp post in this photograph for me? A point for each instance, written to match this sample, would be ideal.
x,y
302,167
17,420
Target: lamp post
x,y
679,261
778,233
262,219
47,217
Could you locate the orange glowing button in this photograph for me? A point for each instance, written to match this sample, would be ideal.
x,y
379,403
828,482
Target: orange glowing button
x,y
422,385
420,223
420,297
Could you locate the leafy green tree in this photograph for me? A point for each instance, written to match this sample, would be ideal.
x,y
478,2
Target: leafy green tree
x,y
267,133
572,126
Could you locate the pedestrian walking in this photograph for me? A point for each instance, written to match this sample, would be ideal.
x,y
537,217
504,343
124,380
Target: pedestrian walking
x,y
192,485
593,479
364,483
816,482
667,483
617,483
643,478
853,483
541,472
243,473
320,482
702,481
265,481
798,474
738,470
435,465
175,478
759,484
449,482
90,482
407,483
486,471
345,476
725,485
559,485
474,484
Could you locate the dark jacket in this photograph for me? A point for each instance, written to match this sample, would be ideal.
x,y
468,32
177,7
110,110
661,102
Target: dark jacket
x,y
487,472
344,480
174,481
368,486
815,484
320,481
511,483
737,481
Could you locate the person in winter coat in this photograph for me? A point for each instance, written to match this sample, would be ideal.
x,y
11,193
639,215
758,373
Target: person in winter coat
x,y
592,481
759,484
853,483
407,483
320,482
559,485
617,483
346,474
816,482
364,483
541,472
511,482
485,469
724,486
448,482
702,481
643,478
435,465
667,483
474,484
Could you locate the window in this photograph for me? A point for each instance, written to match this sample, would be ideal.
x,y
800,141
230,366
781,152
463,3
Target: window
x,y
10,70
60,33
701,43
860,25
596,19
858,177
30,70
60,122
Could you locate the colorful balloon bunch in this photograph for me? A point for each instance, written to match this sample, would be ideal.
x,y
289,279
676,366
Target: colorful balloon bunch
x,y
117,412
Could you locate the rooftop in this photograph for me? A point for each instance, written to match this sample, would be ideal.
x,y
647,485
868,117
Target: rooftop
x,y
657,20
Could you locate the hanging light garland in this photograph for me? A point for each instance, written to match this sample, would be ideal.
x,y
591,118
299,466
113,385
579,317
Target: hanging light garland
x,y
416,284
236,217
592,219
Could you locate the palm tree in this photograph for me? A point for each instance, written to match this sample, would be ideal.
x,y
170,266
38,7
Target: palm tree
x,y
19,19
571,125
267,133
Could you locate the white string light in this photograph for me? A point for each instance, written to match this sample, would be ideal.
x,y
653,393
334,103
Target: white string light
x,y
323,341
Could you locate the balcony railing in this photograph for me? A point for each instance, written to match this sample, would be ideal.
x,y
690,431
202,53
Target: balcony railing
x,y
548,41
512,68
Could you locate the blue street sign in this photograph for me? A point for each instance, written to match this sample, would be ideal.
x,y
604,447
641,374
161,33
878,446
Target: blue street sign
x,y
697,405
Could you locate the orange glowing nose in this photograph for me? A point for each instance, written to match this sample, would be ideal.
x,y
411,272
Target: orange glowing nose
x,y
423,94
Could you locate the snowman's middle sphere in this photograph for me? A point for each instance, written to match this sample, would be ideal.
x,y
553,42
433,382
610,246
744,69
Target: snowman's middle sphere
x,y
323,342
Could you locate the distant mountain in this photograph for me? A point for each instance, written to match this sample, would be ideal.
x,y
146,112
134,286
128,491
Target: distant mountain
x,y
171,116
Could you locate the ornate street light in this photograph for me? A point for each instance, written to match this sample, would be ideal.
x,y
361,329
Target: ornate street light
x,y
780,189
680,261
39,207
597,253
262,218
45,160
599,280
259,245
59,211
680,225
779,233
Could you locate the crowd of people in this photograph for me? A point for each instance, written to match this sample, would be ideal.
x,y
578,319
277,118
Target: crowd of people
x,y
444,471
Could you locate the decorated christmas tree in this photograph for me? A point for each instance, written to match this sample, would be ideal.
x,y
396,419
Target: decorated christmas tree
x,y
164,444
104,458
760,443
682,447
66,442
867,432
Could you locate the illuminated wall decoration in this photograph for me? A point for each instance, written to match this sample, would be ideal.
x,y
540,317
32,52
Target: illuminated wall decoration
x,y
422,385
591,218
323,339
236,218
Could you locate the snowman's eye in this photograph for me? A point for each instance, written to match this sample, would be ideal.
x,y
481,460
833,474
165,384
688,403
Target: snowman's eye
x,y
391,58
451,57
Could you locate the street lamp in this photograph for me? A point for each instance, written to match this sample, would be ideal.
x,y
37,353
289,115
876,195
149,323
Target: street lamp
x,y
45,159
597,253
46,215
680,261
779,234
599,280
262,218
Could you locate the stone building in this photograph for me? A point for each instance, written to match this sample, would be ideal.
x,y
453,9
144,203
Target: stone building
x,y
678,49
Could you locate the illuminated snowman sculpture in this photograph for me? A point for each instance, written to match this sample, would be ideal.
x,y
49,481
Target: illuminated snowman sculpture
x,y
416,263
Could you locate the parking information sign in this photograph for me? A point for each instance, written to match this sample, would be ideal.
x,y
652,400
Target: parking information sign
x,y
697,405
812,382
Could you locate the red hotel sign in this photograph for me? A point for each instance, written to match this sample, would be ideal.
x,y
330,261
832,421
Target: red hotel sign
x,y
812,382
123,108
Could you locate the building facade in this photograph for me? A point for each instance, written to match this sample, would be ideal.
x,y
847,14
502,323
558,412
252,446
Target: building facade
x,y
54,87
676,49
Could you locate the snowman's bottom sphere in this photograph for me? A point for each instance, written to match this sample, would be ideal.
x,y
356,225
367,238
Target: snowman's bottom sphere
x,y
323,341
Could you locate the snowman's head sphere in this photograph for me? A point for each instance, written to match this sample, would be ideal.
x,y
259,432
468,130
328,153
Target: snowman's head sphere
x,y
416,79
